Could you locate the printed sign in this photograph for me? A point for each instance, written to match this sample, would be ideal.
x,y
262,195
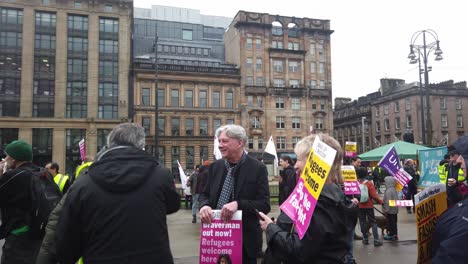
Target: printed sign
x,y
301,203
82,149
429,162
221,239
350,149
391,163
400,203
430,204
351,185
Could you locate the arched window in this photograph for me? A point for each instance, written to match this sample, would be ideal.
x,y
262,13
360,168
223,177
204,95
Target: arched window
x,y
293,30
277,28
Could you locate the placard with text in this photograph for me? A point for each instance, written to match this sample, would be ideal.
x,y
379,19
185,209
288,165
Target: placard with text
x,y
221,239
301,203
351,185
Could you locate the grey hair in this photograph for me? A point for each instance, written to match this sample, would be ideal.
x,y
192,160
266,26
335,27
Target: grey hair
x,y
304,146
127,134
233,131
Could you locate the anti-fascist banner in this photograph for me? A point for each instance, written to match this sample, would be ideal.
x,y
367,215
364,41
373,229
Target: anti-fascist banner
x,y
221,239
350,149
301,203
351,185
430,204
391,163
429,160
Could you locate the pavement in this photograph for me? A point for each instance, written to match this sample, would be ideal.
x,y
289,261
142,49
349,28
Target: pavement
x,y
184,239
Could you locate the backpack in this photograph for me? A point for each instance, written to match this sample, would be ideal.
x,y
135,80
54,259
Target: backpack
x,y
364,192
45,195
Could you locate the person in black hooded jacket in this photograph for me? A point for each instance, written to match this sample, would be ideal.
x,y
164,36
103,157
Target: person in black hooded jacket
x,y
326,239
117,212
287,180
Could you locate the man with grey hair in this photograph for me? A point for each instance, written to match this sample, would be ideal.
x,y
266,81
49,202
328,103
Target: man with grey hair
x,y
117,212
237,182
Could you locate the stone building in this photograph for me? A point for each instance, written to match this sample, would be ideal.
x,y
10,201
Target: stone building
x,y
64,74
197,91
286,77
396,109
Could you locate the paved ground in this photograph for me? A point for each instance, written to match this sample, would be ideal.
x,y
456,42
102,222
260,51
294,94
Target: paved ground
x,y
184,238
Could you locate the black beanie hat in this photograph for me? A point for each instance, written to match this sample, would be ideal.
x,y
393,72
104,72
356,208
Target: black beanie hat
x,y
19,150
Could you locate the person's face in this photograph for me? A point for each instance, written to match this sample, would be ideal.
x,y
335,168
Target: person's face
x,y
283,163
52,171
357,163
454,157
10,162
301,162
230,148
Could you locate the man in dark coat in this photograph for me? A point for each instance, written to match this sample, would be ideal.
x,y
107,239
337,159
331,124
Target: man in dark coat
x,y
237,182
16,205
117,212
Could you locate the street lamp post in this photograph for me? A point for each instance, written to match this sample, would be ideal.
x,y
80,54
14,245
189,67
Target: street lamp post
x,y
424,51
156,130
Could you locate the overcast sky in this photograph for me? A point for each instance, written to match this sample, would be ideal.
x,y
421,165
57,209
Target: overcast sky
x,y
371,38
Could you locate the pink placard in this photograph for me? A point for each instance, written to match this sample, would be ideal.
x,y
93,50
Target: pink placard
x,y
221,239
351,187
82,149
300,206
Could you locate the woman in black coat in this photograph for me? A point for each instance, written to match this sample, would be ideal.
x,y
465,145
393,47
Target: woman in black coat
x,y
287,180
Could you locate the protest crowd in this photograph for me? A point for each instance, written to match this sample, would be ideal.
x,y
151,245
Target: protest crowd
x,y
114,208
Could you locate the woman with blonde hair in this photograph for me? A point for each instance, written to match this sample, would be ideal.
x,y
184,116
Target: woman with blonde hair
x,y
326,239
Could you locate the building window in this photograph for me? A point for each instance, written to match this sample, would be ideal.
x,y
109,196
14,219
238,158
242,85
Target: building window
x,y
397,122
248,43
175,156
260,143
108,90
145,96
108,25
146,124
216,99
294,83
377,126
443,103
296,122
188,98
314,104
377,111
259,64
258,44
161,126
187,34
77,44
43,42
313,84
280,122
409,123
312,50
397,106
43,109
248,63
251,143
259,81
107,111
312,67
321,52
459,121
281,142
76,110
279,103
189,127
44,19
107,46
174,98
322,104
189,156
260,102
387,124
385,108
319,125
295,104
204,152
278,83
293,66
175,127
77,4
216,124
108,8
230,121
444,122
255,122
278,65
321,68
77,23
250,101
322,84
229,100
72,148
407,103
276,28
458,103
161,97
293,46
249,80
202,99
277,44
203,127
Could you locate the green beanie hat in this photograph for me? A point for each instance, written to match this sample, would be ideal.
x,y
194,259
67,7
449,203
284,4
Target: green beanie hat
x,y
19,150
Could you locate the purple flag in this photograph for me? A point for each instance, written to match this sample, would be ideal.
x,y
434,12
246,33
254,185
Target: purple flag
x,y
391,163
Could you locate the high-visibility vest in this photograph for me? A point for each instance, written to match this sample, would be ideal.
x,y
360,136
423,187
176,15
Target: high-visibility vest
x,y
443,172
82,166
461,175
60,180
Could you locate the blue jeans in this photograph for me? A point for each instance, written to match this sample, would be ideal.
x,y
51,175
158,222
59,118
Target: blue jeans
x,y
195,203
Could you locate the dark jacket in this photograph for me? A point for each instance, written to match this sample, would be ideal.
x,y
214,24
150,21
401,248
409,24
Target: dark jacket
x,y
413,183
326,239
117,213
15,198
250,191
449,240
288,183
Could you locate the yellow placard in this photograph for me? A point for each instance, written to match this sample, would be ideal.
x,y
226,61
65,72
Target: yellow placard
x,y
349,173
391,203
351,147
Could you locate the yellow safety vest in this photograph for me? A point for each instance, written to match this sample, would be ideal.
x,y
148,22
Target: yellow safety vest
x,y
82,166
461,175
443,173
60,180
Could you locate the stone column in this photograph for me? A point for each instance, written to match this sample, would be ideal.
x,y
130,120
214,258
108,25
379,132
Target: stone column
x,y
27,63
61,65
59,147
93,64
